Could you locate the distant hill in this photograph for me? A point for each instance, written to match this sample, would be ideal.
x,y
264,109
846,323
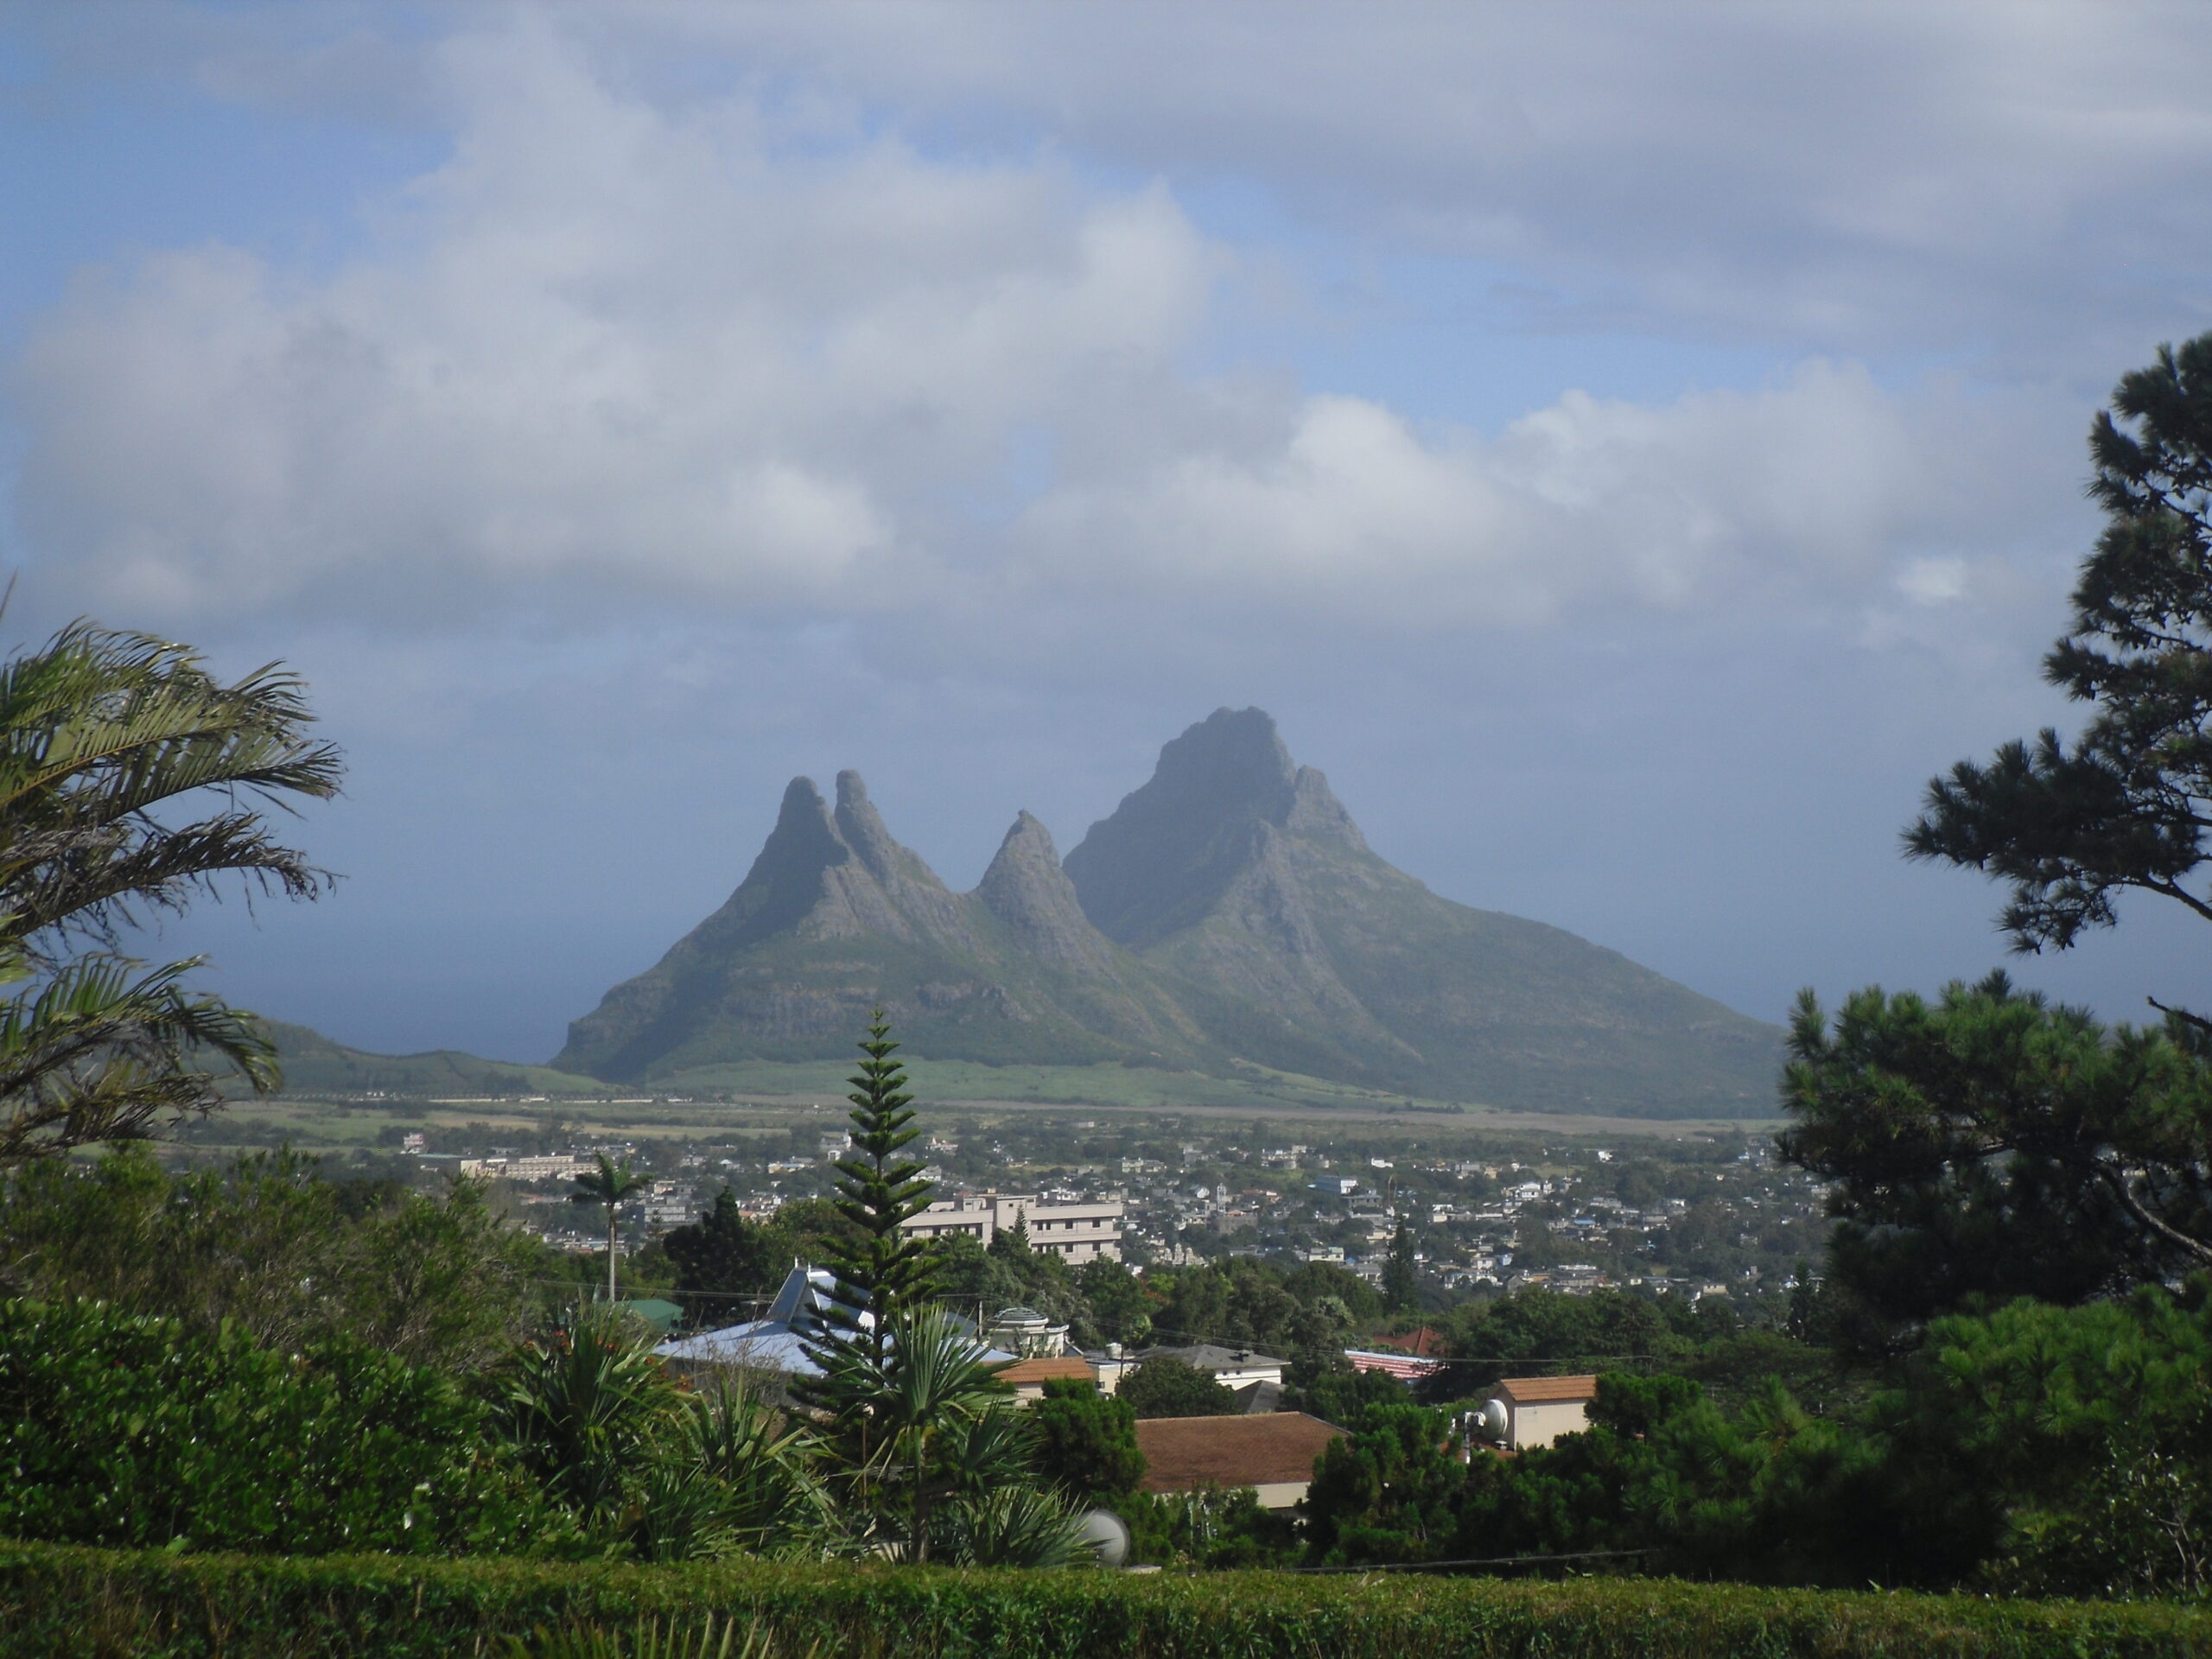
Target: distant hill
x,y
1228,912
314,1065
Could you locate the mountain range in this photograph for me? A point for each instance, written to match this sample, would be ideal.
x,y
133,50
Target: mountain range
x,y
1227,914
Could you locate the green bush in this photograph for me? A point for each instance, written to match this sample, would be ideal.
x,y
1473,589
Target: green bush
x,y
119,1429
1165,1386
156,1606
271,1246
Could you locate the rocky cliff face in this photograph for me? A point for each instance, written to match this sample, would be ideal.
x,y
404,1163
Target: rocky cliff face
x,y
1229,910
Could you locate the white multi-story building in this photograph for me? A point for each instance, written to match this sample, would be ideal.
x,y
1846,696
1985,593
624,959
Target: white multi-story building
x,y
671,1204
1079,1232
559,1166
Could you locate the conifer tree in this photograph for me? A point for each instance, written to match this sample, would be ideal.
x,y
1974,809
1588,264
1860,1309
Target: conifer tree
x,y
1401,1277
883,1274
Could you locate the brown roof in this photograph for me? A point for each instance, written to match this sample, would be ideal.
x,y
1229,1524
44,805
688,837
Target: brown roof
x,y
1033,1371
1183,1453
1546,1390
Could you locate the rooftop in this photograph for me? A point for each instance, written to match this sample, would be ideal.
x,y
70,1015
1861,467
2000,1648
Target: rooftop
x,y
1184,1454
1546,1390
1033,1371
1210,1356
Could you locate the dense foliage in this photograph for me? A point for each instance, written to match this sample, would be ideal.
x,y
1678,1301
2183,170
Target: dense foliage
x,y
122,1428
1165,1386
271,1246
1087,1442
2033,1449
1988,1144
163,1607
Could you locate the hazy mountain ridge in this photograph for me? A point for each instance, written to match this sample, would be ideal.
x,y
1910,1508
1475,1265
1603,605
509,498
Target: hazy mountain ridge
x,y
317,1065
1242,875
1229,908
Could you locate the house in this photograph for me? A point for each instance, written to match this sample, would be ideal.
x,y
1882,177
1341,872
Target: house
x,y
1407,1368
771,1343
777,1341
1274,1454
1025,1331
670,1204
1537,1410
1235,1369
1079,1232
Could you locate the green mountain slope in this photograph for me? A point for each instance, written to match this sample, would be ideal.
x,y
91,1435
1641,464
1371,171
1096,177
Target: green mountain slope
x,y
1242,880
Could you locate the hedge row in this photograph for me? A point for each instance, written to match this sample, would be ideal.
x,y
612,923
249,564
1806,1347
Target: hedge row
x,y
58,1600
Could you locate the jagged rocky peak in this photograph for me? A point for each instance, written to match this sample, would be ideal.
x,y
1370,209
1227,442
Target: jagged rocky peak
x,y
1316,812
1232,761
863,830
1026,889
805,838
1171,848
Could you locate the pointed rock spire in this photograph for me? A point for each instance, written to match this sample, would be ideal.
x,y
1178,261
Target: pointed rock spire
x,y
1026,889
1171,850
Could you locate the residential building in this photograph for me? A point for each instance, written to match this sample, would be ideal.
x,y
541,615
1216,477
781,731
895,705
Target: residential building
x,y
1407,1368
1274,1454
671,1205
1540,1409
776,1342
1084,1232
558,1166
1025,1331
1235,1369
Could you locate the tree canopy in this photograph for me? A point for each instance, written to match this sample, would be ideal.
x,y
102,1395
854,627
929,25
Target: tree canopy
x,y
2127,804
1165,1386
1990,1144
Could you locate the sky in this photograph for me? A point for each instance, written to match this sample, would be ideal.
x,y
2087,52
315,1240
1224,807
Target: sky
x,y
1629,450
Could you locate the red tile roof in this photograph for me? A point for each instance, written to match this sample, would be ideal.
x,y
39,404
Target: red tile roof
x,y
1184,1454
1035,1371
1404,1367
1546,1390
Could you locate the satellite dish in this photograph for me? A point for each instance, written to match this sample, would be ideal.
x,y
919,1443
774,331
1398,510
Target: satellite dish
x,y
1107,1534
1492,1420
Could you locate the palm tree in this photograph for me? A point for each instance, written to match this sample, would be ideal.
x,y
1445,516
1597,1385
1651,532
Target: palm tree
x,y
930,1384
101,732
585,1405
611,1185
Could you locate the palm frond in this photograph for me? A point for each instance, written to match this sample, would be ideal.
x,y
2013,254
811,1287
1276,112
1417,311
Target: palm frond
x,y
103,1048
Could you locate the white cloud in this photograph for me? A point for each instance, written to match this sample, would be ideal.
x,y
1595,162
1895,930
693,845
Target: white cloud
x,y
654,354
607,344
1809,495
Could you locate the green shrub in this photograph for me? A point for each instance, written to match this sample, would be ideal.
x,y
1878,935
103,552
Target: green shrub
x,y
269,1245
1165,1386
119,1429
156,1606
